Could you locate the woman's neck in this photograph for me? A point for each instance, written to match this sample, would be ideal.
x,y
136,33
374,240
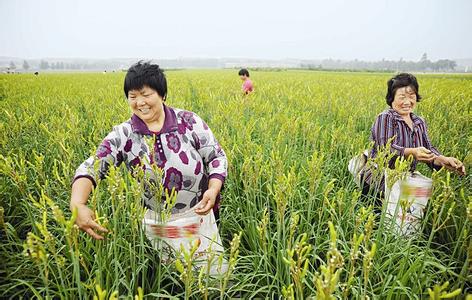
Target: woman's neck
x,y
157,123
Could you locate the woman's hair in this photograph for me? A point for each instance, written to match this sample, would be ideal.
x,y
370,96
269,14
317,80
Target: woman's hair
x,y
399,81
146,74
244,72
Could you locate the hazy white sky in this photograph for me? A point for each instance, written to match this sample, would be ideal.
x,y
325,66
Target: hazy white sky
x,y
367,30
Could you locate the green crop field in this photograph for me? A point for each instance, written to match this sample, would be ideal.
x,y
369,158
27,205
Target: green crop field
x,y
305,230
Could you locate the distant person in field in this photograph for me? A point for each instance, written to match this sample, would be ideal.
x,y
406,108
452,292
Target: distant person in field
x,y
183,146
247,87
408,132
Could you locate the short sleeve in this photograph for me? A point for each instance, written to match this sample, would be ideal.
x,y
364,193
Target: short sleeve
x,y
214,158
109,153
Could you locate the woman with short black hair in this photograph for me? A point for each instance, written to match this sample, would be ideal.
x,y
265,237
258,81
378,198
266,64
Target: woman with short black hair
x,y
182,145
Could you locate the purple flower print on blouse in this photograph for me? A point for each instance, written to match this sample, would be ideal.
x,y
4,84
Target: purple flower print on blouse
x,y
173,142
183,157
215,163
196,139
203,186
119,156
188,119
159,162
173,179
181,128
157,157
104,149
198,168
128,145
136,161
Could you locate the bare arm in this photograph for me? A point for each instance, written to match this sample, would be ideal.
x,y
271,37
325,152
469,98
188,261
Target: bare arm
x,y
216,162
85,179
209,197
81,190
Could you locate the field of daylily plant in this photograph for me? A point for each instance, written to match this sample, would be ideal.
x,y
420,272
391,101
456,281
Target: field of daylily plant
x,y
293,222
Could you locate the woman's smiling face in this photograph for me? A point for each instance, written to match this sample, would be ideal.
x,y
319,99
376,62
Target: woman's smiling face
x,y
146,104
404,101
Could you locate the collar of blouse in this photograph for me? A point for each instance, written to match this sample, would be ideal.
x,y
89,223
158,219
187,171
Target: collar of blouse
x,y
416,120
170,123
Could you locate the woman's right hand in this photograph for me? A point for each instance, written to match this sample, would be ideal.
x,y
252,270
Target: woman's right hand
x,y
423,154
81,189
450,163
86,221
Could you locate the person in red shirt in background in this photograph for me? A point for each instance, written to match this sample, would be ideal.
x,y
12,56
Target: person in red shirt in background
x,y
248,87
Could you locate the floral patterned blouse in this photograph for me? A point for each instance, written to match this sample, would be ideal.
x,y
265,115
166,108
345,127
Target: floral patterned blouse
x,y
185,149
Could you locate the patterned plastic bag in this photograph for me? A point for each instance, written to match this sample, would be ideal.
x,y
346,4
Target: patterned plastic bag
x,y
407,199
182,230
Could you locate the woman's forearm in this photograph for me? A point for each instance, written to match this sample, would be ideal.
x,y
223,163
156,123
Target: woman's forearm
x,y
81,190
216,184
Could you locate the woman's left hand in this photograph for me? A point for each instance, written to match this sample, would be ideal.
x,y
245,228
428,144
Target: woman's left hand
x,y
450,163
208,201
